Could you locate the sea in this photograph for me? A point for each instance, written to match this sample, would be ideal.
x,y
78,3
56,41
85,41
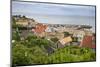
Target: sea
x,y
62,19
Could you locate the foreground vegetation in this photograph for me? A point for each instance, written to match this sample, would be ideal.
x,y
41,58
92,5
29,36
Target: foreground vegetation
x,y
34,50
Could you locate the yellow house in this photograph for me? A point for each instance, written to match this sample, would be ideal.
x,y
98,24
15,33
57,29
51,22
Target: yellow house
x,y
22,21
65,40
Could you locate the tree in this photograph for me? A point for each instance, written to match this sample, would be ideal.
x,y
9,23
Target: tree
x,y
20,55
13,22
30,37
72,54
16,36
24,17
66,34
54,39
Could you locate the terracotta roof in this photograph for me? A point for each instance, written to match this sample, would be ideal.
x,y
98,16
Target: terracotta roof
x,y
40,28
88,42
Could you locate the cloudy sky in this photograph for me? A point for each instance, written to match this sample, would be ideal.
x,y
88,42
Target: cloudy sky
x,y
56,13
53,9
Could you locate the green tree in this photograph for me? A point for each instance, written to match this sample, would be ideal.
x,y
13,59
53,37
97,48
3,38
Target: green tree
x,y
20,55
72,54
66,34
54,39
24,17
13,22
16,35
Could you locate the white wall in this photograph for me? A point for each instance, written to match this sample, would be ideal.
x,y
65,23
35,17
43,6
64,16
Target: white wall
x,y
5,33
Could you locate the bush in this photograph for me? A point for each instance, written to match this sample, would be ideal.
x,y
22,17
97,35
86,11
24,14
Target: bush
x,y
32,50
16,36
66,34
72,54
54,39
20,55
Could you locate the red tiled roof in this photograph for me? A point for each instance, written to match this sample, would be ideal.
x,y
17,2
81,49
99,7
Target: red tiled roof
x,y
40,28
88,42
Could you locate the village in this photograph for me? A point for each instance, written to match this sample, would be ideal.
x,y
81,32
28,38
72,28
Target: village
x,y
43,43
66,34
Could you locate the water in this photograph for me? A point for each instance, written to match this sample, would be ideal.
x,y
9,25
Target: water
x,y
63,19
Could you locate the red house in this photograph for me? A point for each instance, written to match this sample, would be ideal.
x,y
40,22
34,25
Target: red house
x,y
39,28
88,41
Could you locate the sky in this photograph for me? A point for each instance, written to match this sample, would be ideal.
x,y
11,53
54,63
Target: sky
x,y
56,13
53,9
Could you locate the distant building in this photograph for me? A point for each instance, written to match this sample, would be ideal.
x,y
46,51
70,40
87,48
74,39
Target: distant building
x,y
22,21
84,27
50,35
48,29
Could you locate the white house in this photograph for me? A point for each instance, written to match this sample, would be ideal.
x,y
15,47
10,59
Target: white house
x,y
79,35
